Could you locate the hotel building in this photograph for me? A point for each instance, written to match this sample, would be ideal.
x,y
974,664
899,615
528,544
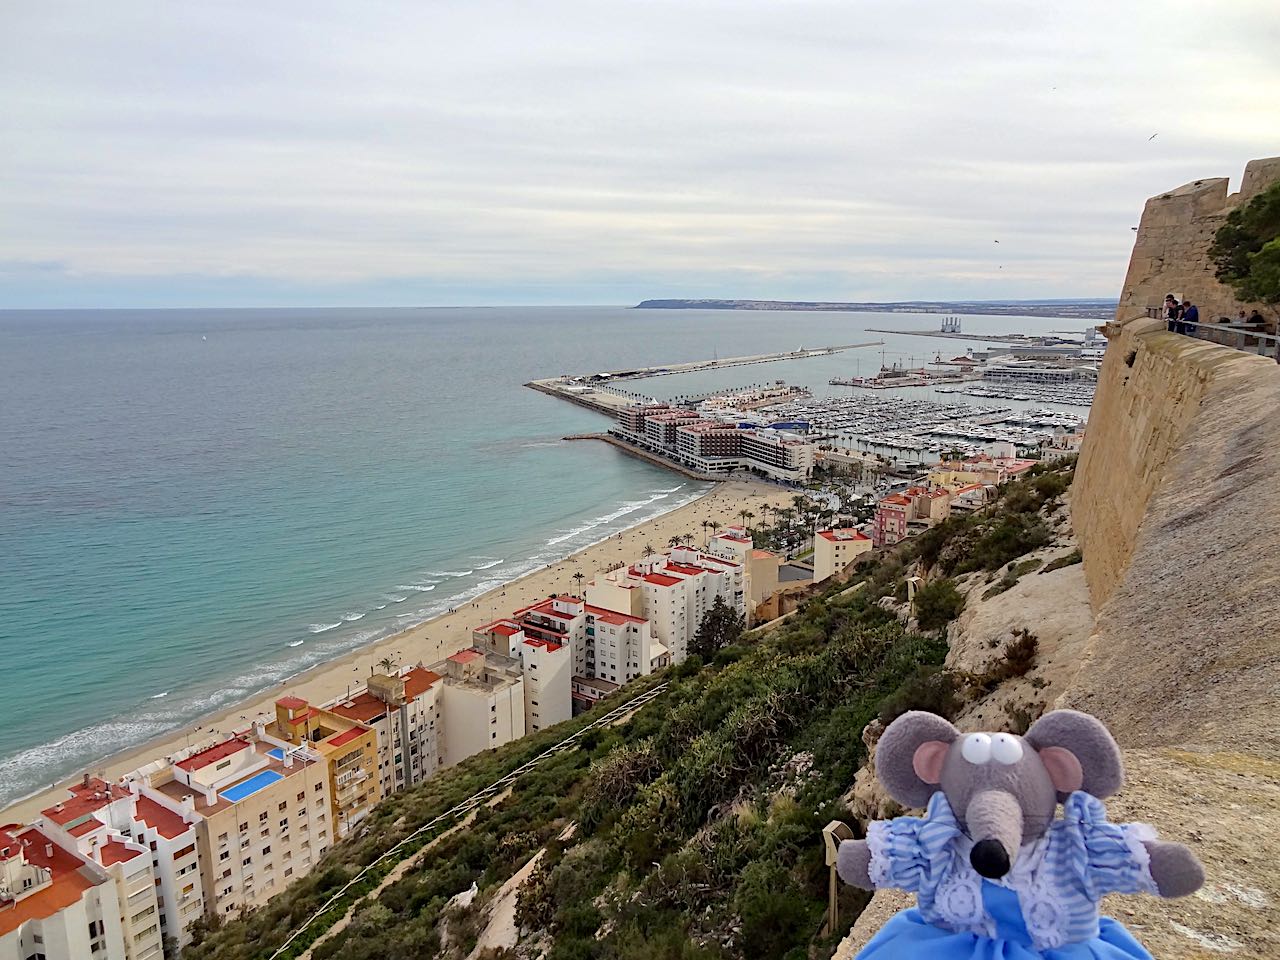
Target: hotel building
x,y
716,446
262,810
760,567
546,664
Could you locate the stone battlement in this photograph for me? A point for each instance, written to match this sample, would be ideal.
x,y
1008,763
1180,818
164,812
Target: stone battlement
x,y
1170,251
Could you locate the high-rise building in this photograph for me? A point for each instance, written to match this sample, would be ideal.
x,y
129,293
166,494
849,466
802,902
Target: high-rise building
x,y
545,664
349,747
57,904
482,703
262,809
404,711
833,550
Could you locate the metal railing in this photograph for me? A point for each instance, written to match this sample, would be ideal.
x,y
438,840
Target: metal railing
x,y
1243,338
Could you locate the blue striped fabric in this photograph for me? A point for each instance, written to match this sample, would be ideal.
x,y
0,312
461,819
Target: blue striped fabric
x,y
1059,877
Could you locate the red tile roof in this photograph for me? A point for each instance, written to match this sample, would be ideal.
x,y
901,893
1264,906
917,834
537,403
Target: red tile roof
x,y
763,555
845,535
465,656
345,737
84,800
365,707
418,680
897,499
213,754
166,822
550,647
612,616
68,884
113,851
661,579
291,703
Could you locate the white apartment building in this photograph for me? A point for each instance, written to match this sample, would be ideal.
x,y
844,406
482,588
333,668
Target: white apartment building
x,y
262,809
547,667
56,904
404,711
482,703
97,823
760,567
673,592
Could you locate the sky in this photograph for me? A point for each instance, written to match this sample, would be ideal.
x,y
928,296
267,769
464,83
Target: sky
x,y
222,153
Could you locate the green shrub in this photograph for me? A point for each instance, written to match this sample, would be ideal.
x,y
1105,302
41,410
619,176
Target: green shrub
x,y
937,603
1070,559
931,688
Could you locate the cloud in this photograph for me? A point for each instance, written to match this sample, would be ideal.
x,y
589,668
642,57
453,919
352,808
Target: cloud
x,y
589,152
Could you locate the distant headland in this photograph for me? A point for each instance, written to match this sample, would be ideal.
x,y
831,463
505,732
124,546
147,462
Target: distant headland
x,y
1069,308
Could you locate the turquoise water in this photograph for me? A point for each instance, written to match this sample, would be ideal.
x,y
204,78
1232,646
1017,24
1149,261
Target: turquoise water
x,y
198,504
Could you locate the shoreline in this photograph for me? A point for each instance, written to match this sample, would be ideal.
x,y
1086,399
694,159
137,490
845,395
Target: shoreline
x,y
432,640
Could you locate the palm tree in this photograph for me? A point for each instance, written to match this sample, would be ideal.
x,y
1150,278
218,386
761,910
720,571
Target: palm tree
x,y
648,550
747,516
674,541
578,578
706,525
686,539
386,663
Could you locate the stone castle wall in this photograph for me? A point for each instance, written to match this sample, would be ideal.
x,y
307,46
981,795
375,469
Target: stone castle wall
x,y
1170,251
1153,384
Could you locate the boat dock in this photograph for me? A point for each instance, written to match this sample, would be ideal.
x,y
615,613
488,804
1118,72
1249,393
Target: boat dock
x,y
595,391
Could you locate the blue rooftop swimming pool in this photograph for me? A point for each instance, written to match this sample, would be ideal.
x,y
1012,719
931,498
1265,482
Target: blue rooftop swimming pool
x,y
251,786
277,752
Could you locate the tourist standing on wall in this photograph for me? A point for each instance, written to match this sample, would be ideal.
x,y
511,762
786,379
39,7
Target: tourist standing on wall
x,y
1172,311
1190,316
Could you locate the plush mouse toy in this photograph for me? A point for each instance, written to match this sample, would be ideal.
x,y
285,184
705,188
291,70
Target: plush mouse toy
x,y
997,876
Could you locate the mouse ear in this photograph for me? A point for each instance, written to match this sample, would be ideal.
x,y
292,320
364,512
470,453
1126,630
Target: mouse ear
x,y
1079,753
909,756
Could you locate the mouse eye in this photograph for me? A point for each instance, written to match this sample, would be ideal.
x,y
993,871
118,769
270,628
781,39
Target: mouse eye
x,y
976,748
1006,748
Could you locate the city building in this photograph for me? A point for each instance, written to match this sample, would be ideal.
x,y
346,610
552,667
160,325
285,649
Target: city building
x,y
673,592
482,702
404,711
101,822
546,665
262,811
760,567
892,514
981,469
716,446
833,550
348,747
56,904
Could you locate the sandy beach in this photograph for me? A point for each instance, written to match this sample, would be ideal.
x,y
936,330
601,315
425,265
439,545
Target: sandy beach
x,y
436,639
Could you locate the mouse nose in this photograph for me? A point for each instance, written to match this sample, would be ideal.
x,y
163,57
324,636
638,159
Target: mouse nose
x,y
990,859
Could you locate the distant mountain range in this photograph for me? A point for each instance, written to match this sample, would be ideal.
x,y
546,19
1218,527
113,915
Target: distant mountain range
x,y
1069,308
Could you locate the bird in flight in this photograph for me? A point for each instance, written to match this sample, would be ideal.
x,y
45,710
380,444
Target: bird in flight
x,y
995,241
1152,137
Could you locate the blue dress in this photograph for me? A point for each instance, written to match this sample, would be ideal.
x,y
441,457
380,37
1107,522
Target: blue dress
x,y
1044,909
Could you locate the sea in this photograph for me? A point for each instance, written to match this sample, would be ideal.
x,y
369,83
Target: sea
x,y
196,505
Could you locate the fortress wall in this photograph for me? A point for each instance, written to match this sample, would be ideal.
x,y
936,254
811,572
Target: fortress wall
x,y
1170,251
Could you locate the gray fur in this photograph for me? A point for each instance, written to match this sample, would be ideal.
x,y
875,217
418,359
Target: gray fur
x,y
853,863
1009,803
1090,741
1174,868
896,752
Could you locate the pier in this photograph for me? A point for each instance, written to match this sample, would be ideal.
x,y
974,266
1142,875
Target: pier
x,y
593,392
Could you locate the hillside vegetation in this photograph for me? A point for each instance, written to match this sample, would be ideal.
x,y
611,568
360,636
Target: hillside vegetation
x,y
696,821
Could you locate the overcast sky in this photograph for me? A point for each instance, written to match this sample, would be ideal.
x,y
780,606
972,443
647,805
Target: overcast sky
x,y
172,153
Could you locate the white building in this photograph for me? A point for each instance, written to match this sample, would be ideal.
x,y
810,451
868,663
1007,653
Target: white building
x,y
547,667
673,592
404,711
482,703
57,904
98,822
760,567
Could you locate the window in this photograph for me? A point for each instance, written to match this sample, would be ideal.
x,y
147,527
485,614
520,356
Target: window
x,y
244,826
262,817
222,838
266,850
302,796
226,874
282,806
318,787
224,855
246,861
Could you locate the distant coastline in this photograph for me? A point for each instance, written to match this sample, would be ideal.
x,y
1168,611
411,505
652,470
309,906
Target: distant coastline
x,y
1085,309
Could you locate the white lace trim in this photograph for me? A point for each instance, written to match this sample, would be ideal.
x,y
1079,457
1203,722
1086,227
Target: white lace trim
x,y
1042,911
877,843
1135,835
